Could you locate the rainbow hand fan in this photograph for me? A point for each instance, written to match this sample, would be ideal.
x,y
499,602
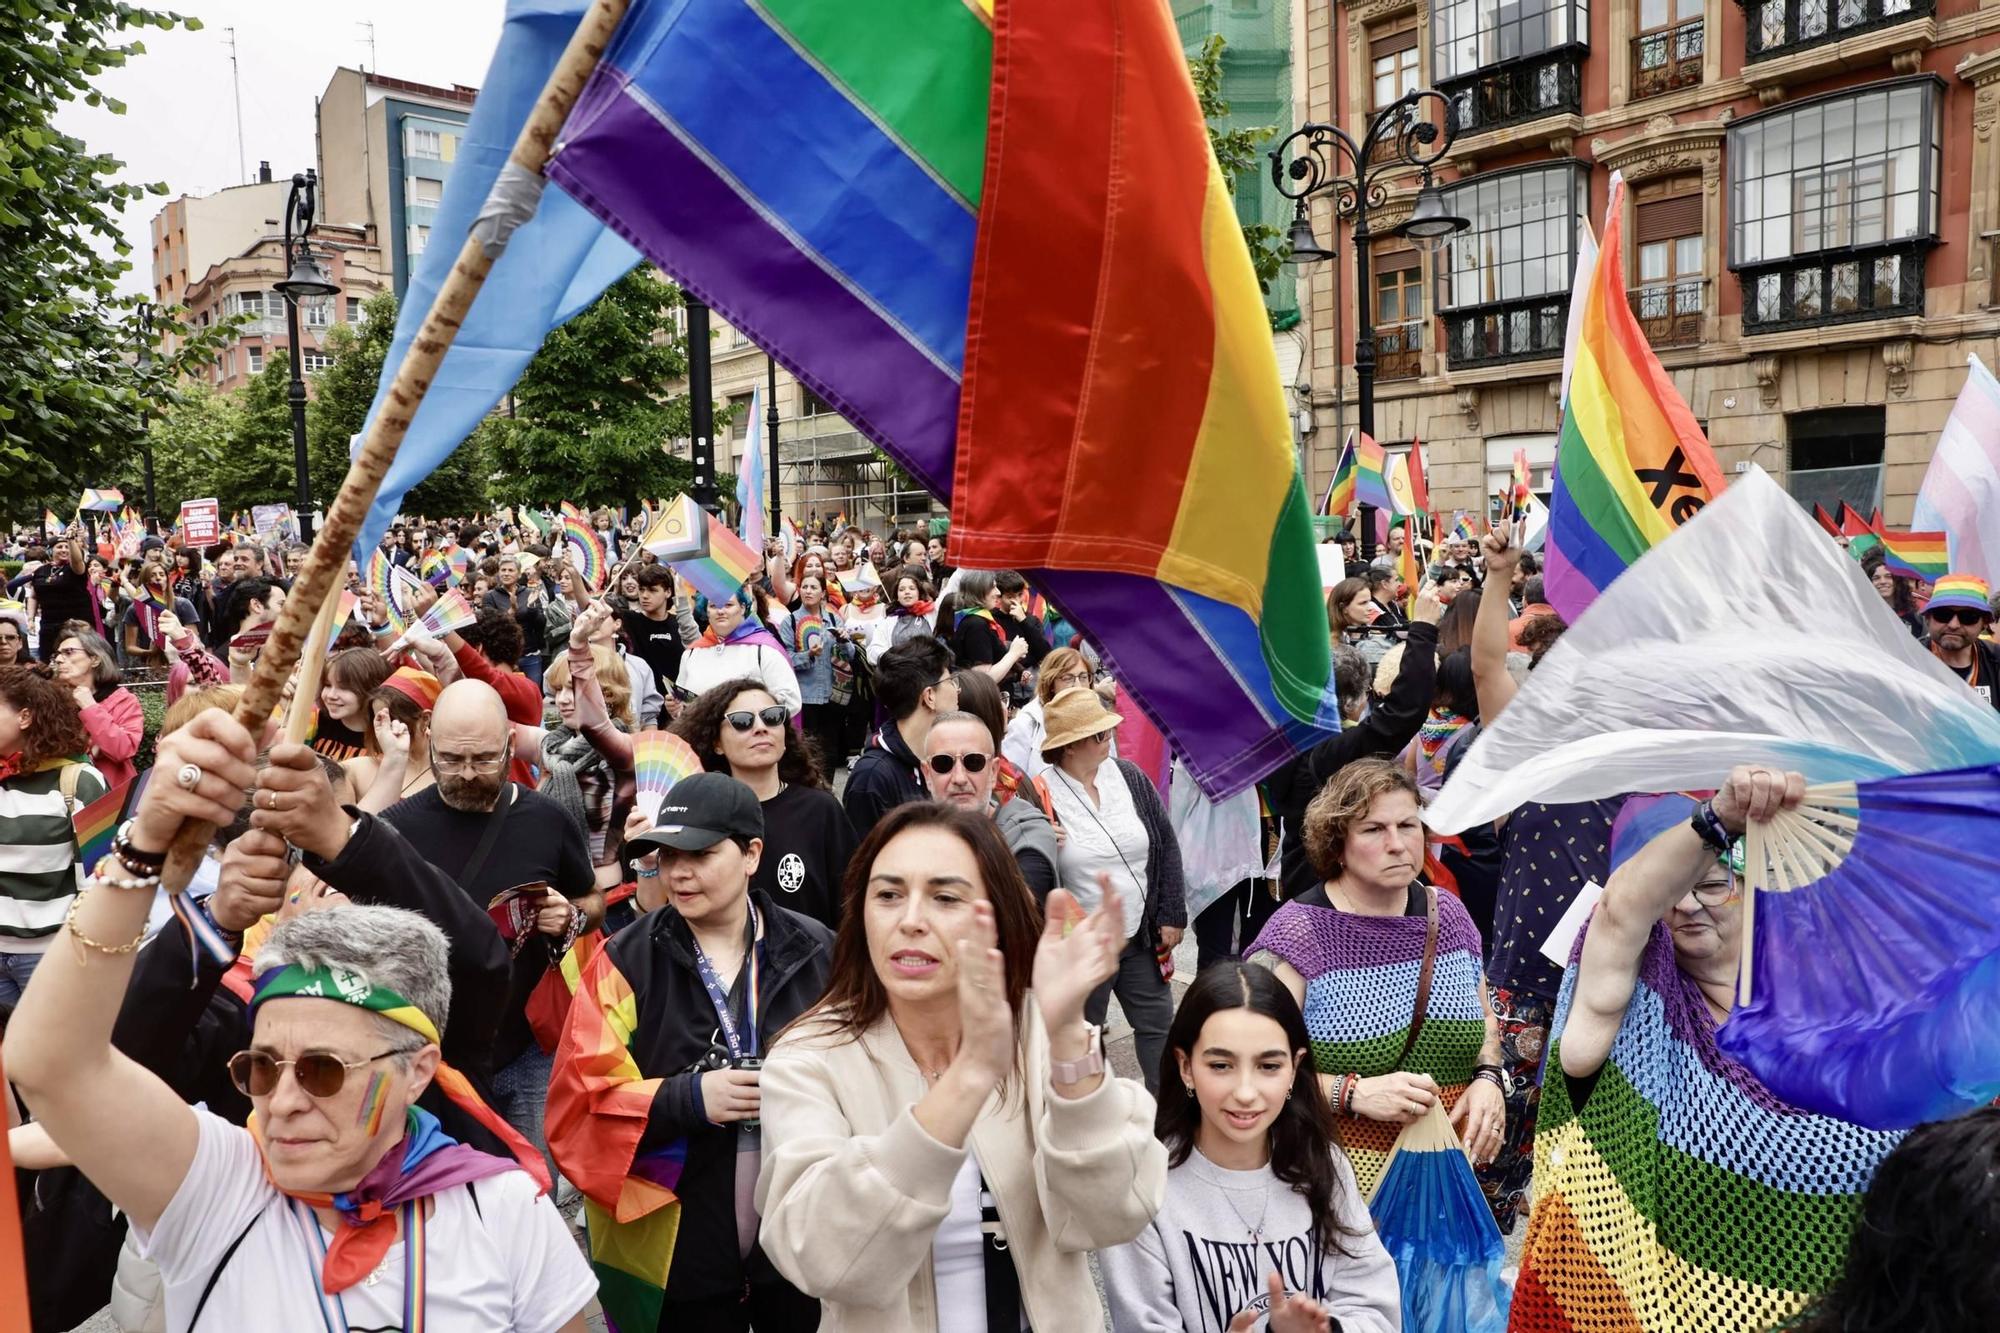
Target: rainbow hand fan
x,y
1437,1227
1869,987
450,613
586,549
341,615
659,760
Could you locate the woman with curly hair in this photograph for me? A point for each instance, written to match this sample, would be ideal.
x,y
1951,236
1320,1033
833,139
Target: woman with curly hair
x,y
44,779
741,729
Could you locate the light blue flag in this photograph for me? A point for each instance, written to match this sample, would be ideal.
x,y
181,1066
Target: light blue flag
x,y
556,264
750,478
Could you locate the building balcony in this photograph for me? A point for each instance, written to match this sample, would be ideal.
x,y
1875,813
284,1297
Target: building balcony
x,y
1664,61
1519,91
1669,312
1834,287
1502,331
1777,28
1399,351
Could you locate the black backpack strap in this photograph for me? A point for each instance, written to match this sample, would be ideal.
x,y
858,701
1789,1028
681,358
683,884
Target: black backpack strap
x,y
1003,1284
215,1273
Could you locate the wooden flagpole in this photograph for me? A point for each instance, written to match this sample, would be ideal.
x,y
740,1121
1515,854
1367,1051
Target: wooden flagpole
x,y
319,579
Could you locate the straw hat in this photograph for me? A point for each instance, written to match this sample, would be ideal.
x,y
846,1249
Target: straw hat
x,y
1074,714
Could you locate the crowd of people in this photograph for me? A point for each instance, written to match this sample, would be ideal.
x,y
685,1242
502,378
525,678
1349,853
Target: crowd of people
x,y
445,987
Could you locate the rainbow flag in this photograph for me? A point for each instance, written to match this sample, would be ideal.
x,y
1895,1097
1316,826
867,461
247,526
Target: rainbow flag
x,y
1523,488
1407,568
1631,463
1916,555
1371,475
586,547
702,549
1339,499
97,823
50,523
104,501
1462,529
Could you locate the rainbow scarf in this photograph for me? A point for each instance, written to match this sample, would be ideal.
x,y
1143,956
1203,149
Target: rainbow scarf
x,y
1682,1197
981,613
905,275
1632,464
1361,992
1439,727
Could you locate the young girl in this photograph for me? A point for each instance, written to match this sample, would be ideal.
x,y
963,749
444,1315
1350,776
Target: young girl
x,y
352,674
1262,1219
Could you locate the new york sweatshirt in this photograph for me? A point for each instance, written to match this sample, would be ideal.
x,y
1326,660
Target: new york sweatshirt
x,y
1196,1266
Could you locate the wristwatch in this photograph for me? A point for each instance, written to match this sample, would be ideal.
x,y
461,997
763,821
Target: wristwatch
x,y
1066,1072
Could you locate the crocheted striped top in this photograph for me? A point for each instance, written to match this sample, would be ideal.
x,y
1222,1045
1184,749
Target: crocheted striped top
x,y
1361,992
1683,1196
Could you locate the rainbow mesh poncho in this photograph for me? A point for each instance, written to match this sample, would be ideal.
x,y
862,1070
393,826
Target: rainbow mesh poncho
x,y
1684,1197
1361,990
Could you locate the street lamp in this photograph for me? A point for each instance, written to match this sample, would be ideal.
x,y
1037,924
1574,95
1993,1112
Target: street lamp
x,y
1308,163
145,362
305,282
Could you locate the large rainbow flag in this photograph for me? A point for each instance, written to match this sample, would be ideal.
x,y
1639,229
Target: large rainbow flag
x,y
1631,463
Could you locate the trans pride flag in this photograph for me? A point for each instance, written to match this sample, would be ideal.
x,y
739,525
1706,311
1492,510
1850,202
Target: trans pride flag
x,y
1631,464
865,192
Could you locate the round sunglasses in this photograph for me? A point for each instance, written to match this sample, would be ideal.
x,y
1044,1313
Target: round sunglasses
x,y
942,764
743,720
320,1074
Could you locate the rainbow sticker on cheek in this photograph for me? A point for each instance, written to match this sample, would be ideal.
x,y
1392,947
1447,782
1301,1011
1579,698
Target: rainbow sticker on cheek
x,y
372,1103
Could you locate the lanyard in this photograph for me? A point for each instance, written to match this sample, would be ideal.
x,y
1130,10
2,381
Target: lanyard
x,y
744,1042
333,1310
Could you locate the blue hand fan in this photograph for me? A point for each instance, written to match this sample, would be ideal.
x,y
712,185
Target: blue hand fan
x,y
1438,1228
1870,980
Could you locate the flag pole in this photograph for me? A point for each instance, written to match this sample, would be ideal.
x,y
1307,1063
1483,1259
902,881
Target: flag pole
x,y
318,579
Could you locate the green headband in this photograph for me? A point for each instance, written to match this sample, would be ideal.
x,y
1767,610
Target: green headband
x,y
346,985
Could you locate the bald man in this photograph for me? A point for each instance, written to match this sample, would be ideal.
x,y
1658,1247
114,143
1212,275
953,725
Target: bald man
x,y
492,835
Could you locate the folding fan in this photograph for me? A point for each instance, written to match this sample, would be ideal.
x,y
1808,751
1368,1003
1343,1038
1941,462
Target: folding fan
x,y
659,760
1870,980
1438,1228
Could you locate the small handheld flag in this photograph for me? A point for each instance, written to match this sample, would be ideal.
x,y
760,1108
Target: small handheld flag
x,y
1339,501
1916,555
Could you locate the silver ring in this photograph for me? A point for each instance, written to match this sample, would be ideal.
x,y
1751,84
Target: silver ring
x,y
189,777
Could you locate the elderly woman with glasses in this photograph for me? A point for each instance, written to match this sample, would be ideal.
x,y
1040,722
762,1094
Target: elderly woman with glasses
x,y
1641,1109
14,637
343,1204
1063,669
111,715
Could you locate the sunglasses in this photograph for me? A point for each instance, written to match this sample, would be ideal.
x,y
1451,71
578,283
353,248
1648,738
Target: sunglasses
x,y
320,1073
774,716
974,763
1964,615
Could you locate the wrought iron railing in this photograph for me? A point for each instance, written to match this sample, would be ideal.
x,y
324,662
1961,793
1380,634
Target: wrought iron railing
x,y
1521,90
1834,287
1521,330
1669,312
1664,61
1399,351
1779,27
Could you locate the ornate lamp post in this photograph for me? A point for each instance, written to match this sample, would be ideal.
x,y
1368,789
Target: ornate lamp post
x,y
145,363
305,282
1321,159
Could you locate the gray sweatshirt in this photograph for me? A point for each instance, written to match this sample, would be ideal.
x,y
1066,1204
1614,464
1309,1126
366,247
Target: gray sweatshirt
x,y
1195,1267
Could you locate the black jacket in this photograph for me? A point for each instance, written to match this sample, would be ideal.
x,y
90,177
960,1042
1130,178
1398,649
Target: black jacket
x,y
677,1031
1388,727
885,776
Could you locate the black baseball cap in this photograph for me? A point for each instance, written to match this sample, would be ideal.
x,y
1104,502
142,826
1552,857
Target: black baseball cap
x,y
701,811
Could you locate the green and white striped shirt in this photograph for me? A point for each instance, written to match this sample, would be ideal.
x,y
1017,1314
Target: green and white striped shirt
x,y
39,870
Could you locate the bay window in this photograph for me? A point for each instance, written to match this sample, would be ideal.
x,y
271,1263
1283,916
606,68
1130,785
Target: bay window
x,y
1505,280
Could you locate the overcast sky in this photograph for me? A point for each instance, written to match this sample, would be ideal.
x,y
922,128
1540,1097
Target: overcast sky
x,y
180,122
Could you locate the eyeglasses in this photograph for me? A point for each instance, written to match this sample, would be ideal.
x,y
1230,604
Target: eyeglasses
x,y
1964,615
320,1073
942,764
71,652
774,716
1073,679
468,763
1716,895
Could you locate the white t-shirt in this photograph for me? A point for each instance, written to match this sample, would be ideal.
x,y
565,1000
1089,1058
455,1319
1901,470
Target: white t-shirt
x,y
510,1263
958,1258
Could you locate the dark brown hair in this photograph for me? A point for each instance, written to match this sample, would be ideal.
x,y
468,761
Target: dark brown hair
x,y
54,730
359,671
855,999
701,722
980,696
1340,805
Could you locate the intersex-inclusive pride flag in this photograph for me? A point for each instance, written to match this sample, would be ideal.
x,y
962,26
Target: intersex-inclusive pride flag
x,y
1961,490
892,233
1631,463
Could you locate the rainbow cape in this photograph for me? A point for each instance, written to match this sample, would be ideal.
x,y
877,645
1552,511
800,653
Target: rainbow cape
x,y
1631,462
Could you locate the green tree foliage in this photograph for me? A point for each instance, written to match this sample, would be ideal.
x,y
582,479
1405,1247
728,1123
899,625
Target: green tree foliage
x,y
190,440
596,407
1239,152
71,399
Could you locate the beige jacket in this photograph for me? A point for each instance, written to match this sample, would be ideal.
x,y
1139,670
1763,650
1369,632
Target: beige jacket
x,y
853,1189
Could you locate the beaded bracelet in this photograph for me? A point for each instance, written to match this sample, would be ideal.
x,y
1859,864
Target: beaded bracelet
x,y
84,941
1348,1084
147,882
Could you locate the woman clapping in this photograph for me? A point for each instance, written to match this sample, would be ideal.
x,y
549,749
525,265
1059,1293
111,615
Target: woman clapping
x,y
933,1141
